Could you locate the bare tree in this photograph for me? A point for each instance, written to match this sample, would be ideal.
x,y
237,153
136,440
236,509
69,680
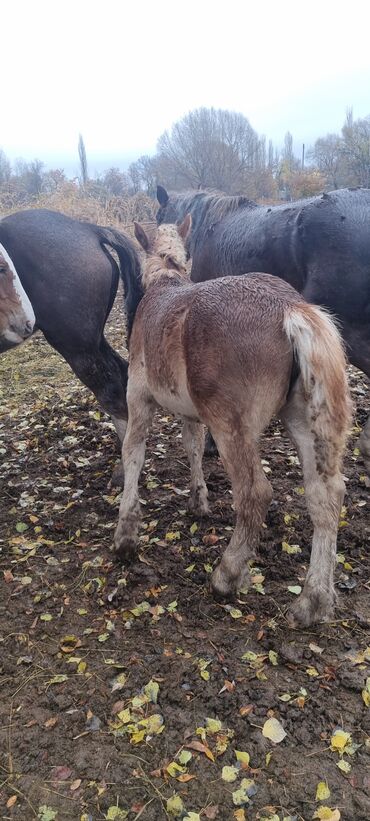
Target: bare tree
x,y
327,154
356,148
210,148
5,168
115,182
83,161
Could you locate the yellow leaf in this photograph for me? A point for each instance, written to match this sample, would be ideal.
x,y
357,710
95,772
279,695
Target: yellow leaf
x,y
213,725
292,549
172,536
322,791
124,716
137,737
311,671
273,657
241,796
366,693
239,815
327,814
344,766
185,756
151,691
229,774
339,741
205,675
235,613
243,757
174,769
273,730
175,805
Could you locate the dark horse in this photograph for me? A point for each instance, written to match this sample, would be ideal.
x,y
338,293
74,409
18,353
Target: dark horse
x,y
321,246
71,278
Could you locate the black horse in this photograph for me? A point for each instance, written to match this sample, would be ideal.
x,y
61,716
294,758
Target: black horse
x,y
71,278
321,246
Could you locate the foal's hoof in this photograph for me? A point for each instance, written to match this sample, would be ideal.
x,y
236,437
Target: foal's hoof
x,y
125,544
310,610
198,505
222,588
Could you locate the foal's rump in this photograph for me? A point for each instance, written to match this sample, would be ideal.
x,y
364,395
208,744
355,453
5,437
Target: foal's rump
x,y
236,346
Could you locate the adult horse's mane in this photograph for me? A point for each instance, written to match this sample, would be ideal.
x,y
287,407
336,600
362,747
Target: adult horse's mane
x,y
206,209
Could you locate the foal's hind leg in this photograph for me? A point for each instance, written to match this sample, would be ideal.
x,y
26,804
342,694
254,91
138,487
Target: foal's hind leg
x,y
324,491
133,455
252,495
193,440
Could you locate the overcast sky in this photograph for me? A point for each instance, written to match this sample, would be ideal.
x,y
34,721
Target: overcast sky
x,y
120,72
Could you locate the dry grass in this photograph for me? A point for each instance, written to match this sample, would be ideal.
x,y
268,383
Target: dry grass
x,y
86,205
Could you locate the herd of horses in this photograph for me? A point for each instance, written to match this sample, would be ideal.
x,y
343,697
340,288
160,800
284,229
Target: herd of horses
x,y
220,350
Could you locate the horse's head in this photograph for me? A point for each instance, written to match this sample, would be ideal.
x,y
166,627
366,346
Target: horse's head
x,y
165,249
17,319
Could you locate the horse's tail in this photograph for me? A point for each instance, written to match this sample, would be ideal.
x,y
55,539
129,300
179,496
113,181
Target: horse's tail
x,y
130,270
322,363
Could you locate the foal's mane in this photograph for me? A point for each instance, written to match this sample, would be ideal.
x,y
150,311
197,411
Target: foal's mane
x,y
206,209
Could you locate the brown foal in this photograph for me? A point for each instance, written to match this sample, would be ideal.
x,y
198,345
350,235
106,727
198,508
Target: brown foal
x,y
221,353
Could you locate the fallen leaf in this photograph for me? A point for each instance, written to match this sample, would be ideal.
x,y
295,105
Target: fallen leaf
x,y
229,774
339,741
246,790
295,588
344,766
213,725
327,814
175,805
11,801
243,757
322,791
61,773
116,814
273,730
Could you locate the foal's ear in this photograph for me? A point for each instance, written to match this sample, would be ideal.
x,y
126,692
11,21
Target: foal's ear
x,y
162,195
141,236
185,228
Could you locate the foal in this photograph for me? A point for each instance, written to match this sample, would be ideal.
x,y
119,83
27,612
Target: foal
x,y
17,319
222,353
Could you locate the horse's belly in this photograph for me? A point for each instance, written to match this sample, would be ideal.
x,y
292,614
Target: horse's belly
x,y
174,396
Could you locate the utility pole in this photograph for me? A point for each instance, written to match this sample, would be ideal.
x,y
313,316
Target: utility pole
x,y
303,156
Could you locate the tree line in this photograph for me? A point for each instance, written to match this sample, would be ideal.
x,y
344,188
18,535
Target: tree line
x,y
213,149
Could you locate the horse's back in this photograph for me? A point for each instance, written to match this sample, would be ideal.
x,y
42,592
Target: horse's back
x,y
64,270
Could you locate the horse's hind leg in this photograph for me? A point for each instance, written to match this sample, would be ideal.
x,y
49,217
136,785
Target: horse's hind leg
x,y
102,370
252,495
364,443
324,491
133,455
193,440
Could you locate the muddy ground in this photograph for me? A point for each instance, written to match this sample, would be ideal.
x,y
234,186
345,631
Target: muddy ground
x,y
126,692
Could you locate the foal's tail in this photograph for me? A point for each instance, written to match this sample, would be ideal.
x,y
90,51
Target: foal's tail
x,y
322,362
130,270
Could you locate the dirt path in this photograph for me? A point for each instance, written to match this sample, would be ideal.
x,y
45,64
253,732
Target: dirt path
x,y
126,693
